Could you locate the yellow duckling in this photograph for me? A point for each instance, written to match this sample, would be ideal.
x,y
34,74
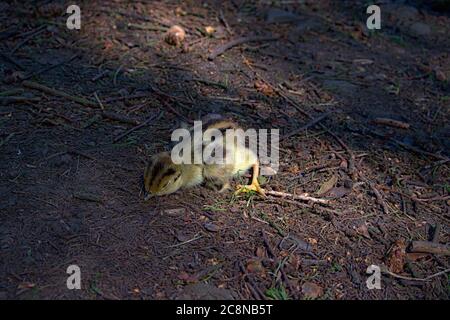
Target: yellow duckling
x,y
162,176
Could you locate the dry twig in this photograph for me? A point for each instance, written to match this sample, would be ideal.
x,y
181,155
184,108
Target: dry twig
x,y
235,42
304,197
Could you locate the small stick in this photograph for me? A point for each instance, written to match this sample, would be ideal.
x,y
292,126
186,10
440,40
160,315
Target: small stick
x,y
391,123
304,197
119,117
415,279
51,67
87,197
367,131
379,198
186,242
225,23
167,105
134,96
221,49
418,150
12,61
4,141
309,124
11,92
81,154
165,95
270,251
146,122
210,83
256,292
437,231
37,32
430,247
11,31
351,160
16,99
146,27
99,101
439,198
40,87
100,75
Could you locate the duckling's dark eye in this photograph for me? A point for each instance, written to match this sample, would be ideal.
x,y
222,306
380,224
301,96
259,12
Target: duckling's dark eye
x,y
177,177
165,184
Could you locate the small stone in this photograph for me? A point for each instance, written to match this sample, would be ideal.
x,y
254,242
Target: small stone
x,y
211,227
182,237
312,290
175,35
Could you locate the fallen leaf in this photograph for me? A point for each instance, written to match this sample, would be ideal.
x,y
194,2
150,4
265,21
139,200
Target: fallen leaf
x,y
264,88
107,45
327,185
294,262
26,285
260,252
186,277
311,290
254,266
362,230
294,169
396,257
343,164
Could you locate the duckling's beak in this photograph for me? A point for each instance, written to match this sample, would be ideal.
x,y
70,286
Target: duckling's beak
x,y
147,196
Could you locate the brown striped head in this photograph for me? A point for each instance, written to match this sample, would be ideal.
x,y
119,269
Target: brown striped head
x,y
161,176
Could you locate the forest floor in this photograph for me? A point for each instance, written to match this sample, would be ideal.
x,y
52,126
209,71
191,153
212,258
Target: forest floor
x,y
70,172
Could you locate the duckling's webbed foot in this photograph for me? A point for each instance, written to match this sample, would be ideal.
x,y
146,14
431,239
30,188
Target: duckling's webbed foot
x,y
254,186
249,188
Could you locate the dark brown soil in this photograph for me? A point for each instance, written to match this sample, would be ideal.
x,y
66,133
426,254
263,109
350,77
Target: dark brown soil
x,y
69,194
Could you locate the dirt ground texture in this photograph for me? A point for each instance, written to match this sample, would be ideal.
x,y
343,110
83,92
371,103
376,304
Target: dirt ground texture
x,y
70,184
